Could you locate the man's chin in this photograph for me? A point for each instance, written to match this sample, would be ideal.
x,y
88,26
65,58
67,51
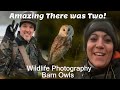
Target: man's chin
x,y
27,38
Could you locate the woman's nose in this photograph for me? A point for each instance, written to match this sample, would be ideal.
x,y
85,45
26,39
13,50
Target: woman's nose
x,y
100,44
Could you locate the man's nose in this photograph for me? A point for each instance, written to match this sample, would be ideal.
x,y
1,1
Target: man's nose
x,y
27,29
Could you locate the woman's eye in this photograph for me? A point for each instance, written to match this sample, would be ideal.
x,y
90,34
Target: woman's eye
x,y
108,40
93,39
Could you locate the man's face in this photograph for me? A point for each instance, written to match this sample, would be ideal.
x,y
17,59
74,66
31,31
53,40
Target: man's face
x,y
26,31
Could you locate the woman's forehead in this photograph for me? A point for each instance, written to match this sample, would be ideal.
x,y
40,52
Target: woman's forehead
x,y
99,32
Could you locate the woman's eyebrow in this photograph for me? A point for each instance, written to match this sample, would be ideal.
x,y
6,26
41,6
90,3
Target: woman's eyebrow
x,y
106,35
93,34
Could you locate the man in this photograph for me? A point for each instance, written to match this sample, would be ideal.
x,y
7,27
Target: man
x,y
13,63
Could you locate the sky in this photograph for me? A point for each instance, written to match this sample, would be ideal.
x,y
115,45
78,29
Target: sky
x,y
2,29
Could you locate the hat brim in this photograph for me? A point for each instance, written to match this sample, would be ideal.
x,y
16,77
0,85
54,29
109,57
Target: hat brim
x,y
28,21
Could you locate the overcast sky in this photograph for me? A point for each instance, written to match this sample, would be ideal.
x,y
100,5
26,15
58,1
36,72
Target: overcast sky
x,y
5,20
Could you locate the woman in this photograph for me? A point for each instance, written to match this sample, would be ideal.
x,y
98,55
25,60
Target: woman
x,y
100,43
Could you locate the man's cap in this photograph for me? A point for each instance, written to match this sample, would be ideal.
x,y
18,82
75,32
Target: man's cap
x,y
29,19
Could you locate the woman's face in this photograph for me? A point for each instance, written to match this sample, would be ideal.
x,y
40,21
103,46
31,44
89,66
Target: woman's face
x,y
99,49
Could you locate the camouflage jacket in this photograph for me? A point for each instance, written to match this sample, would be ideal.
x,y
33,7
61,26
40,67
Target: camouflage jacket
x,y
12,64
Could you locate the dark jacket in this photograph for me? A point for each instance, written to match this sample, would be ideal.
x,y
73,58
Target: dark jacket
x,y
112,71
